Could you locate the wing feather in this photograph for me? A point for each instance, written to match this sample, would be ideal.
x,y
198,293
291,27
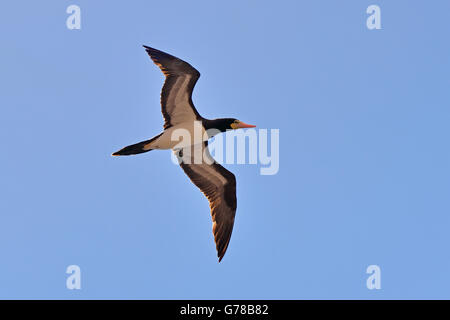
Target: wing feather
x,y
176,94
219,186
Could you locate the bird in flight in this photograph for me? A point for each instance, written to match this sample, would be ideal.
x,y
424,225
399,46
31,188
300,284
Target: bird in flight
x,y
217,183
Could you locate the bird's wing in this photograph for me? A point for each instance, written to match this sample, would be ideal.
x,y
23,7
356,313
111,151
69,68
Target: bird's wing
x,y
218,185
176,94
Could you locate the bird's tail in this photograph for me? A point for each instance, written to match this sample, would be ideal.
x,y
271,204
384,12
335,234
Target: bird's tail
x,y
136,148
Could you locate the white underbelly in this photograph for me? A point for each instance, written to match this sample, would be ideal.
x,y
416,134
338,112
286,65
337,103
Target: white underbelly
x,y
180,136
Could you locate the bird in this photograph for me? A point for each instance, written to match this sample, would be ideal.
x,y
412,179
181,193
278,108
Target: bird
x,y
180,115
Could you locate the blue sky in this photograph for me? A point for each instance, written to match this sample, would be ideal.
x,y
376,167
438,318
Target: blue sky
x,y
364,160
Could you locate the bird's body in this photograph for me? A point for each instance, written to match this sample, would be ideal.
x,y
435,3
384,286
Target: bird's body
x,y
187,133
167,140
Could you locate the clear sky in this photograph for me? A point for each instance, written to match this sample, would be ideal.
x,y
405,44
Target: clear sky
x,y
364,173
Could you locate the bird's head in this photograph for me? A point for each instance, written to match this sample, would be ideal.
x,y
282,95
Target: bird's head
x,y
225,124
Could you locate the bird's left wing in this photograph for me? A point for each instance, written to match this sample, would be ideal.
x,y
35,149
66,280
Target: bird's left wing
x,y
176,95
218,185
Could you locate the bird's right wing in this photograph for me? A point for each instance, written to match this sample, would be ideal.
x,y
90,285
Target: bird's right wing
x,y
218,185
176,94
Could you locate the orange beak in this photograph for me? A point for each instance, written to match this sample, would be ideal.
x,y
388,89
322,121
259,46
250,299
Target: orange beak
x,y
244,125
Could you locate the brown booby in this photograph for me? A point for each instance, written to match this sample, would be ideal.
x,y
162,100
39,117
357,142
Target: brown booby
x,y
217,183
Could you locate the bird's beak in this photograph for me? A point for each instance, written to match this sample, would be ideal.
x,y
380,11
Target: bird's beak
x,y
244,125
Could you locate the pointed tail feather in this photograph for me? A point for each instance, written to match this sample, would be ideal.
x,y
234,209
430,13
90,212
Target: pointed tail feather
x,y
136,148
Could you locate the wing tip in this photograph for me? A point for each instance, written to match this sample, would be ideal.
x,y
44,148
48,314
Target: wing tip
x,y
221,252
151,51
